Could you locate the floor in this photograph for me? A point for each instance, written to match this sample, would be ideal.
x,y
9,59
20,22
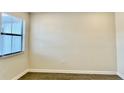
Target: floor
x,y
61,76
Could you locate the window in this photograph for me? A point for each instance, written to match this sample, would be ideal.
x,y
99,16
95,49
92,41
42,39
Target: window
x,y
11,35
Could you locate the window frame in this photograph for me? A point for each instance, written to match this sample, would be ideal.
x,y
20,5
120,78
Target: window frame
x,y
11,34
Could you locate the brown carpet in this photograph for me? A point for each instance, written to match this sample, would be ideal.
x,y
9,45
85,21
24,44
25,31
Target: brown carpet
x,y
61,76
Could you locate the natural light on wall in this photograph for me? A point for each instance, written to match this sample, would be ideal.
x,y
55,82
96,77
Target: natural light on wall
x,y
11,35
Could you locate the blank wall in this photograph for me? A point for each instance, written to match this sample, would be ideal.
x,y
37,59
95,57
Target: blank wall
x,y
73,41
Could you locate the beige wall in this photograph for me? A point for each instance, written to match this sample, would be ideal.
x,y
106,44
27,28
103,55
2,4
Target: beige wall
x,y
73,41
12,66
120,43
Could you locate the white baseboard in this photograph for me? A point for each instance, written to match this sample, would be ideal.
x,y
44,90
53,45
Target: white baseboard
x,y
73,71
20,75
121,75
